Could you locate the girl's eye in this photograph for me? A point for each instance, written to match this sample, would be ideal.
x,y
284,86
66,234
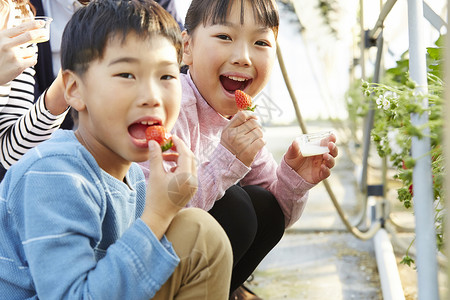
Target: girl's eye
x,y
125,75
224,37
262,43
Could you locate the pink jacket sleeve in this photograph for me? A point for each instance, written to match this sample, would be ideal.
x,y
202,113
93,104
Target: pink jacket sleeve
x,y
289,188
218,169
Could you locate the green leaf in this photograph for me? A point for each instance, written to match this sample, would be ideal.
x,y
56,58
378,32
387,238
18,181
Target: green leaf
x,y
434,53
407,260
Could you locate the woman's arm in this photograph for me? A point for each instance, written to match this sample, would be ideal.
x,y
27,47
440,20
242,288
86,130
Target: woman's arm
x,y
23,123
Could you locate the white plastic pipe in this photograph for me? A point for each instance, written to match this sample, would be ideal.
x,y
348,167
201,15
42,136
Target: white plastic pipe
x,y
426,259
391,284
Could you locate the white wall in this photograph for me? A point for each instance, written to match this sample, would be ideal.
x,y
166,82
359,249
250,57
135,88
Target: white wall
x,y
182,6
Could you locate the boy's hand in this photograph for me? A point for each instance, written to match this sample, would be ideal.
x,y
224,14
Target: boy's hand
x,y
168,191
243,137
313,169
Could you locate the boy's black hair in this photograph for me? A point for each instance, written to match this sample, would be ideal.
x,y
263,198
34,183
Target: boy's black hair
x,y
215,12
91,27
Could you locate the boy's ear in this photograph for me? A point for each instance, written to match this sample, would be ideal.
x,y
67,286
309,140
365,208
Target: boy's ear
x,y
187,51
72,92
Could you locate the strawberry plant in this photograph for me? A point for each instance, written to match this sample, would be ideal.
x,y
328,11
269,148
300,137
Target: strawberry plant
x,y
395,100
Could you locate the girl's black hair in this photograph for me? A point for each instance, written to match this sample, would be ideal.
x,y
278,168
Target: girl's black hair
x,y
216,11
91,27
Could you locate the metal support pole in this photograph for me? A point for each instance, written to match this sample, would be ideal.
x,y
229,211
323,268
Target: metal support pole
x,y
446,149
362,58
376,30
426,260
433,17
370,118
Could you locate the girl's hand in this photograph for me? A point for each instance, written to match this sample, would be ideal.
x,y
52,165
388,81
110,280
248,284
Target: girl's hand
x,y
169,191
243,137
54,98
313,169
13,59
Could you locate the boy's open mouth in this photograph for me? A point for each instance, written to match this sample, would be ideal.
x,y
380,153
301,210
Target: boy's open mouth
x,y
137,130
232,83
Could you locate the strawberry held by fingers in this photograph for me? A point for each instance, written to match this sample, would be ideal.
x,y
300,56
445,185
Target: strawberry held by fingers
x,y
159,134
243,101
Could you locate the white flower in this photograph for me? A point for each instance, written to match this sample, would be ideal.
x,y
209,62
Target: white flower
x,y
383,102
392,136
386,104
391,95
380,100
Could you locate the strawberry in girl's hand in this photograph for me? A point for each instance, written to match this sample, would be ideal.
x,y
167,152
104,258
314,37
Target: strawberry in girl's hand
x,y
243,101
159,134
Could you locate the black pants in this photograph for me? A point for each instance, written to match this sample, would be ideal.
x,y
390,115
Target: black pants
x,y
254,223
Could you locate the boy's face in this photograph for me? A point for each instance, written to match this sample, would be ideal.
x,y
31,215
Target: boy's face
x,y
230,56
134,85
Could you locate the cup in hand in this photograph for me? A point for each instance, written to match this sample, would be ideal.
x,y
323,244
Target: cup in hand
x,y
314,143
39,35
42,34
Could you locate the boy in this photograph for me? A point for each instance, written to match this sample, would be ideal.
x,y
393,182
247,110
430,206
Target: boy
x,y
76,221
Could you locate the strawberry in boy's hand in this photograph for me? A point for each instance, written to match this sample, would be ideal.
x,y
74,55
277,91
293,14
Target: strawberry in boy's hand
x,y
159,134
243,101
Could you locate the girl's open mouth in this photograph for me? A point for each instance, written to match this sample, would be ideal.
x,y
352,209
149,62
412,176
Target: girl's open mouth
x,y
233,83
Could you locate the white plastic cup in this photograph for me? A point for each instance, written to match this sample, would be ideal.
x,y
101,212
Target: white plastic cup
x,y
314,143
39,35
42,34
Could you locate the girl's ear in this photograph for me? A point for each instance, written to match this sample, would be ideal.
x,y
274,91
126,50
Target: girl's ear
x,y
72,91
187,52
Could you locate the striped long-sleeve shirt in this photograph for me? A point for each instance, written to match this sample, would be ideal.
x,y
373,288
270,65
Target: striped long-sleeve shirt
x,y
24,123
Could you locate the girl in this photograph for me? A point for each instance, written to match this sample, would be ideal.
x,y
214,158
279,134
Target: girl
x,y
230,45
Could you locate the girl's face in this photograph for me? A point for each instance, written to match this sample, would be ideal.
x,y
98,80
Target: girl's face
x,y
225,57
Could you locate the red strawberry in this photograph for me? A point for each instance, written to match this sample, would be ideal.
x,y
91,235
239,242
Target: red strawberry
x,y
159,134
243,101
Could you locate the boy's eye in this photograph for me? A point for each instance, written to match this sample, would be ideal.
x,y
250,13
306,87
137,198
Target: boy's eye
x,y
224,37
125,75
167,77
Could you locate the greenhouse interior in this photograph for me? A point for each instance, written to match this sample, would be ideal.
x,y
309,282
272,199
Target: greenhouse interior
x,y
373,73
